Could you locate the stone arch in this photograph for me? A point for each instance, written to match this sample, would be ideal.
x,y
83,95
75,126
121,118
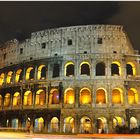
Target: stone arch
x,y
56,70
69,96
39,124
100,69
2,79
130,68
85,125
117,96
28,99
101,96
54,124
54,97
26,123
15,123
7,100
118,121
115,68
69,125
102,125
40,97
85,96
85,68
69,69
41,73
133,123
19,76
9,77
132,96
16,99
30,73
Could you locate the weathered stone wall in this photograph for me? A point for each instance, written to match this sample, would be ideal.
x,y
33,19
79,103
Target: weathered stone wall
x,y
84,40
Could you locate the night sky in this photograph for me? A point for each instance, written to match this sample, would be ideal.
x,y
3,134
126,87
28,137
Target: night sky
x,y
19,19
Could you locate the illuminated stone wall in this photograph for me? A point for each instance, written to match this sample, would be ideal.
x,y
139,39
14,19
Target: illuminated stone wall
x,y
77,98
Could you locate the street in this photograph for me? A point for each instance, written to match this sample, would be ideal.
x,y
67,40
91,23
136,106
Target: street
x,y
16,135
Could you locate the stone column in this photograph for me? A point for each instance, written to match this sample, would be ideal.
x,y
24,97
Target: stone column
x,y
24,75
35,73
94,125
109,93
11,100
46,95
94,97
110,125
5,82
126,88
2,103
109,67
45,124
62,69
92,69
21,97
32,124
34,97
61,123
77,97
14,77
76,124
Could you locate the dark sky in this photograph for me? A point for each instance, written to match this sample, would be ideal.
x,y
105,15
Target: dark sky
x,y
19,19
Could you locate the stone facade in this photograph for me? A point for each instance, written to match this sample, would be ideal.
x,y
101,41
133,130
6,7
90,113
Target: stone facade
x,y
80,79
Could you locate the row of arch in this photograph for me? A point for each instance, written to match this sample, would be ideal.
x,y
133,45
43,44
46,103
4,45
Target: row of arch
x,y
69,71
85,97
85,124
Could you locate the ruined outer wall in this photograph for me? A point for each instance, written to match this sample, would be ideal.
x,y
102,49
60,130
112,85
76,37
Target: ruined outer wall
x,y
84,38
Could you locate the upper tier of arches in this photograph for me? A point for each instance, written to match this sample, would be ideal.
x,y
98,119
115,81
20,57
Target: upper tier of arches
x,y
85,68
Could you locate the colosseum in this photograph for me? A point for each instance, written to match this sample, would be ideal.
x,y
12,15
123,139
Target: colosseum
x,y
78,79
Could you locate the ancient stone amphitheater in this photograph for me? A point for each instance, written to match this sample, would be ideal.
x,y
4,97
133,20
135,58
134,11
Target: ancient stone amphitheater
x,y
79,79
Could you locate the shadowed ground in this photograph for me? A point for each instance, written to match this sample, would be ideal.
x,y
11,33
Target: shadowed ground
x,y
15,135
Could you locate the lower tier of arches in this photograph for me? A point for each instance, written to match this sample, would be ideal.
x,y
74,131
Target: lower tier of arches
x,y
69,121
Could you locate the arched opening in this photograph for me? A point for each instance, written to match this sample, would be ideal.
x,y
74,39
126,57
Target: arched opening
x,y
85,96
101,96
69,96
27,98
1,100
85,125
7,100
117,96
68,125
15,123
54,96
40,97
26,123
85,68
132,96
115,68
1,79
130,69
118,121
100,69
9,77
101,125
56,70
30,73
16,99
69,69
42,72
54,125
19,76
39,124
133,123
